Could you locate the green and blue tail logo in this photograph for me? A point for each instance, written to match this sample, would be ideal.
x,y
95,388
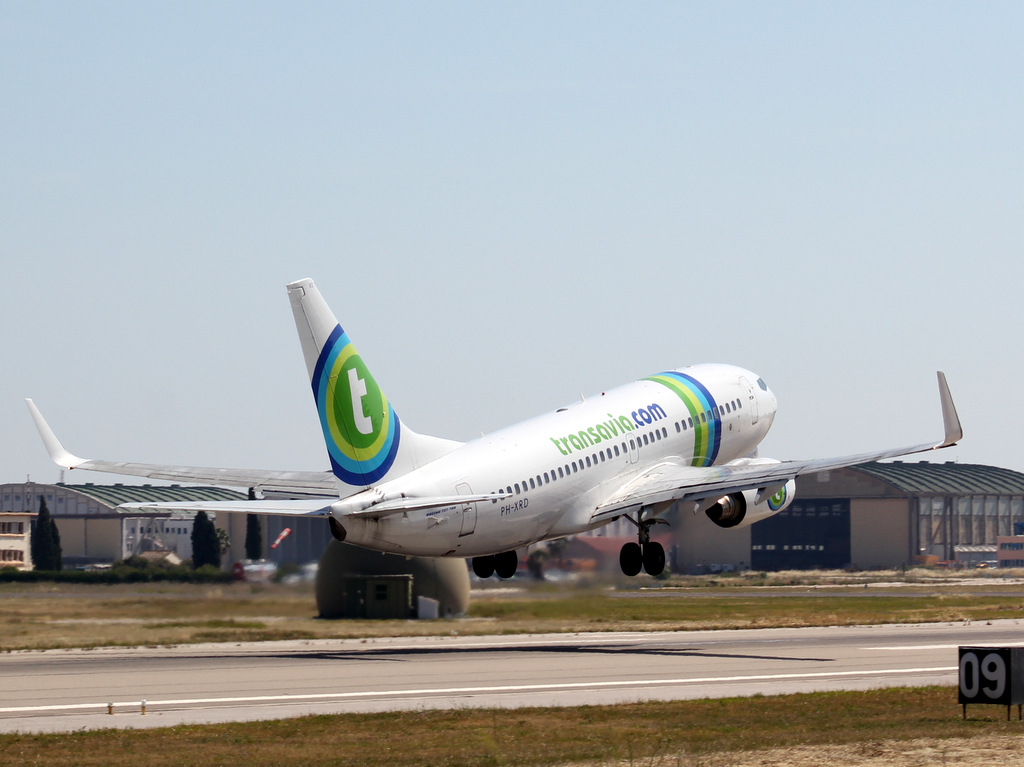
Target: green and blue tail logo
x,y
360,426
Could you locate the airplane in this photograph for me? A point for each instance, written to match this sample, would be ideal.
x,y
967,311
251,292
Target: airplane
x,y
688,436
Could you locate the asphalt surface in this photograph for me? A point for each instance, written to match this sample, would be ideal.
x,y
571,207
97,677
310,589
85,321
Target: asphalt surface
x,y
67,690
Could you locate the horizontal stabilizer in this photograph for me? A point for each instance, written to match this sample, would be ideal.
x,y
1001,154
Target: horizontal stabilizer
x,y
384,508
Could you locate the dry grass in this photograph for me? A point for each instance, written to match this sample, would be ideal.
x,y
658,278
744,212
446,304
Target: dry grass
x,y
905,726
41,616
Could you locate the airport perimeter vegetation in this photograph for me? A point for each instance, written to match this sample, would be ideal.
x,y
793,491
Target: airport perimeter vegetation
x,y
858,727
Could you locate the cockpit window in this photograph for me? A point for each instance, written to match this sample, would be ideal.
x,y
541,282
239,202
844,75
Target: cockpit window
x,y
762,384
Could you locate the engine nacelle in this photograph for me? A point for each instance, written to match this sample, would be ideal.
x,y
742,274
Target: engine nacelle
x,y
750,506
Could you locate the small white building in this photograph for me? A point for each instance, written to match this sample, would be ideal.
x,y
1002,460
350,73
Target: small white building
x,y
16,539
143,534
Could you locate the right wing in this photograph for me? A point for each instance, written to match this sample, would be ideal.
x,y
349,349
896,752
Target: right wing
x,y
317,483
668,481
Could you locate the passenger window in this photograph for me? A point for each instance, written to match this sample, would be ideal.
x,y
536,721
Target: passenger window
x,y
678,429
533,486
508,490
616,451
517,488
561,474
547,480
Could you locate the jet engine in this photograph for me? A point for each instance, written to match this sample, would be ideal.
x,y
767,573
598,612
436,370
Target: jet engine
x,y
750,506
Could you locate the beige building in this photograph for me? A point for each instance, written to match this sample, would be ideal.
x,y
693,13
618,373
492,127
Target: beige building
x,y
16,539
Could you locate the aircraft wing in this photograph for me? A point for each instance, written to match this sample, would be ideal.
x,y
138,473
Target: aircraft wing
x,y
284,482
667,482
366,504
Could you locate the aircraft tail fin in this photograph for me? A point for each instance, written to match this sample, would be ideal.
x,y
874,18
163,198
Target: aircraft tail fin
x,y
366,441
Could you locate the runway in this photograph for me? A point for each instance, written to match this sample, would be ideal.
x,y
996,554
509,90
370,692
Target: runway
x,y
56,691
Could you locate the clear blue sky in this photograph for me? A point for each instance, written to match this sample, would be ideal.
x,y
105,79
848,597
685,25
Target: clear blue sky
x,y
506,205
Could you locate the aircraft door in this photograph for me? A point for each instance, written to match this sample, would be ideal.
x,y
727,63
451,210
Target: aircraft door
x,y
468,511
751,401
634,450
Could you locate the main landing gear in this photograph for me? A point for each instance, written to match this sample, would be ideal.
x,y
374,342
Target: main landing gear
x,y
646,554
504,564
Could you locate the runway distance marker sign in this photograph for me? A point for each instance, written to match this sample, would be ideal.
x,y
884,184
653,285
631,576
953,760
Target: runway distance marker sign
x,y
992,675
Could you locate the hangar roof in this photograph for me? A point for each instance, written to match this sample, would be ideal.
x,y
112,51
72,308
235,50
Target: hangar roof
x,y
946,478
115,495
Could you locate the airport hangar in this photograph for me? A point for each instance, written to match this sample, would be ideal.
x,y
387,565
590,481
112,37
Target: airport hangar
x,y
873,516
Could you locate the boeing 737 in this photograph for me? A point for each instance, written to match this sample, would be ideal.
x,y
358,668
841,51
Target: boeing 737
x,y
688,436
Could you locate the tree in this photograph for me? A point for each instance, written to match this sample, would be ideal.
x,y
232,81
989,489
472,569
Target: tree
x,y
205,546
253,533
253,537
45,547
57,559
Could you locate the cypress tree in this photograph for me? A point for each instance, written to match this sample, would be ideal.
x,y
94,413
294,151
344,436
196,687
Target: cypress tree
x,y
56,554
205,547
42,538
253,537
253,533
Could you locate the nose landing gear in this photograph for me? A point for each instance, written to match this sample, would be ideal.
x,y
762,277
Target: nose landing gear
x,y
646,554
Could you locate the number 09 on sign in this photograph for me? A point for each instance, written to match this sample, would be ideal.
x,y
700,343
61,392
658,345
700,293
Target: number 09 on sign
x,y
991,675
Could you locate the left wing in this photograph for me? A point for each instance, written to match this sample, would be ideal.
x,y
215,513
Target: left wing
x,y
667,482
283,482
322,485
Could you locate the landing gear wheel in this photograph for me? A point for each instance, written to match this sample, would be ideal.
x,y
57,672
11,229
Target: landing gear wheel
x,y
654,558
506,563
631,558
483,567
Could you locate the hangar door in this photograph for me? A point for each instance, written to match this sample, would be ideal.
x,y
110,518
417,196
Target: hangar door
x,y
809,535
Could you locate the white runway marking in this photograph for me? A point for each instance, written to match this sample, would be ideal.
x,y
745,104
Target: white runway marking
x,y
911,647
448,691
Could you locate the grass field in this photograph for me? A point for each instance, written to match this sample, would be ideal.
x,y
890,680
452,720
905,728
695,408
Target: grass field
x,y
903,726
887,727
42,616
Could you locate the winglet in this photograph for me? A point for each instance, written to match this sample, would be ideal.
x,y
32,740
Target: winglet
x,y
950,420
58,454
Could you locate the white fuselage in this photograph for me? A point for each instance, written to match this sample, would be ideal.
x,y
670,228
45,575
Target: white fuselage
x,y
558,467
